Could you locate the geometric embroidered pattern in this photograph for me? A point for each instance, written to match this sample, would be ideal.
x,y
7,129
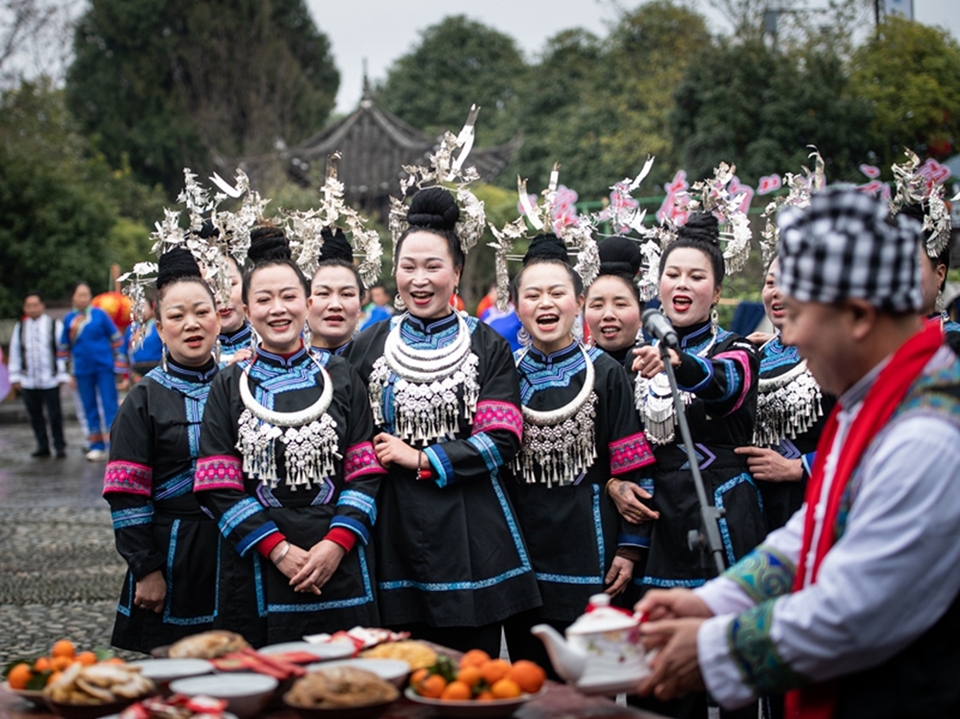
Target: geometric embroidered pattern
x,y
133,517
218,472
360,460
755,654
128,477
492,415
763,574
630,453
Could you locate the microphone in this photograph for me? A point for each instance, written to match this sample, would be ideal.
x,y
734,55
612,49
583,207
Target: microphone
x,y
656,324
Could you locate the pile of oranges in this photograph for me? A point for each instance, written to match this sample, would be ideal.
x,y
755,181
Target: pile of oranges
x,y
478,677
36,674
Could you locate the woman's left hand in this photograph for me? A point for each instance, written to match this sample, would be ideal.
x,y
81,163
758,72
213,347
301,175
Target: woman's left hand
x,y
322,561
391,450
620,572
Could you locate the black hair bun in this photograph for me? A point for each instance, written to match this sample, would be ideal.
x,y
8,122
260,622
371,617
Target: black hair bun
x,y
435,208
175,265
619,256
207,230
546,247
335,246
702,226
914,210
268,243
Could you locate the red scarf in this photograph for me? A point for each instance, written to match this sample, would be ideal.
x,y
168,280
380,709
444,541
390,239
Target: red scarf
x,y
882,399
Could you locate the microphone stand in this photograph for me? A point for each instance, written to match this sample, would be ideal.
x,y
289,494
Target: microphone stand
x,y
707,541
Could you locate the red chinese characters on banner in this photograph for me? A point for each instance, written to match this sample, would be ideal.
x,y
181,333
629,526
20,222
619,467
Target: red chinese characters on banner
x,y
768,184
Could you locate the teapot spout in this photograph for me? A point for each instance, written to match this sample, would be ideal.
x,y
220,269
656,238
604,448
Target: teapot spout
x,y
568,662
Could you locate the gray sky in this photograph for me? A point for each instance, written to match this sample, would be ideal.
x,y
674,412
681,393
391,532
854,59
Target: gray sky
x,y
382,31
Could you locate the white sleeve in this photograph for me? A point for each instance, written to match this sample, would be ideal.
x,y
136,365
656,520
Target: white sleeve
x,y
888,579
15,366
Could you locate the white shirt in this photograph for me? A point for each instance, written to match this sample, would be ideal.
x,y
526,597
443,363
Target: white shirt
x,y
41,371
888,579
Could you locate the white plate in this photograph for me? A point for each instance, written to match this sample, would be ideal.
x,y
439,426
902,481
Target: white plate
x,y
168,670
394,671
246,693
330,650
473,709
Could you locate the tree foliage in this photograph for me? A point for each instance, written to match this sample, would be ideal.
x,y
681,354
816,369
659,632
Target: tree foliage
x,y
64,214
457,63
187,83
910,74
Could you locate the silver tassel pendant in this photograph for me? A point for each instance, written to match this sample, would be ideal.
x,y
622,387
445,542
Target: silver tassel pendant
x,y
558,454
654,400
310,451
787,406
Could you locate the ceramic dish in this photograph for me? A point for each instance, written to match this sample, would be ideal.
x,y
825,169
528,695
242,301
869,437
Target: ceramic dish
x,y
34,696
394,671
323,652
89,711
246,693
164,671
474,709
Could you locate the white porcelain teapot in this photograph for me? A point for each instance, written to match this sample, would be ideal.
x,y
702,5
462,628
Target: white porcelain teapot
x,y
602,652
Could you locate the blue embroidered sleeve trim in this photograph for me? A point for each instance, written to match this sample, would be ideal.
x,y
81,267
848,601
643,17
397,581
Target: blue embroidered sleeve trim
x,y
237,514
487,449
633,540
358,500
133,517
248,542
647,484
755,653
707,368
353,525
440,463
763,574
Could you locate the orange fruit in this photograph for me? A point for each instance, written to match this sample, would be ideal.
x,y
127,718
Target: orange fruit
x,y
505,689
114,660
58,664
418,676
470,676
53,677
64,648
19,676
494,670
485,696
528,676
86,658
431,687
42,664
456,691
474,658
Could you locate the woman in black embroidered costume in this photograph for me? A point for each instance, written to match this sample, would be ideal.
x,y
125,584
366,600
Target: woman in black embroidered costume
x,y
336,292
452,564
235,332
288,470
580,429
169,544
717,372
791,412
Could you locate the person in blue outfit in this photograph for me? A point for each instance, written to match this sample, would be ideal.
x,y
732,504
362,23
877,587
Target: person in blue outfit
x,y
95,346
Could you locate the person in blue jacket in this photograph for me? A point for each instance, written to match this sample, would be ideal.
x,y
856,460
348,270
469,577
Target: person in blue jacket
x,y
95,347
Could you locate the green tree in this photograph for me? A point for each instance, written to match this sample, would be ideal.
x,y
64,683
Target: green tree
x,y
187,83
458,62
910,73
743,103
62,209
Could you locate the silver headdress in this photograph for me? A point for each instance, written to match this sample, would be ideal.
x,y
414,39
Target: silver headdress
x,y
914,188
626,218
445,170
304,229
576,234
798,195
210,237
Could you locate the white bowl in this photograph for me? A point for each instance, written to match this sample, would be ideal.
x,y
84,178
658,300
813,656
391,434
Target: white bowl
x,y
164,671
394,671
246,693
328,650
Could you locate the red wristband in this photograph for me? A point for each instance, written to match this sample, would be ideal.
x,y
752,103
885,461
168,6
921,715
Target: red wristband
x,y
266,545
344,537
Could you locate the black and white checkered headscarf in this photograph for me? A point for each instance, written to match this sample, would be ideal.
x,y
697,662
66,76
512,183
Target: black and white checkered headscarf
x,y
845,245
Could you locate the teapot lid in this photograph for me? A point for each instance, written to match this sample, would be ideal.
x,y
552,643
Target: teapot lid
x,y
601,617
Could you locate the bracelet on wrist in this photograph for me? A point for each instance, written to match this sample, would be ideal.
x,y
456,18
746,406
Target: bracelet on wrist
x,y
283,553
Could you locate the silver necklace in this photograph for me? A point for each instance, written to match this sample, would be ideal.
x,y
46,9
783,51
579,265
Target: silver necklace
x,y
560,444
654,400
426,404
787,405
309,438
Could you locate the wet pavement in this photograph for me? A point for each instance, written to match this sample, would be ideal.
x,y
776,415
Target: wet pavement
x,y
60,573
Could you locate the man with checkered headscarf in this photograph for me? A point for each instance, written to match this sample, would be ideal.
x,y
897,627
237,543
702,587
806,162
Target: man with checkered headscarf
x,y
853,608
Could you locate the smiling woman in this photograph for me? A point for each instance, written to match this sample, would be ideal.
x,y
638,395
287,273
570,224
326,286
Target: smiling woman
x,y
284,434
335,295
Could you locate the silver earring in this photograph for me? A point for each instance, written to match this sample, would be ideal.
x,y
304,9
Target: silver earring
x,y
398,303
163,357
940,304
216,351
714,323
523,337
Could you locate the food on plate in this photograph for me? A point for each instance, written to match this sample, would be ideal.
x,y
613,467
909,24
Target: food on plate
x,y
414,653
477,678
250,660
34,674
101,683
341,687
207,645
176,707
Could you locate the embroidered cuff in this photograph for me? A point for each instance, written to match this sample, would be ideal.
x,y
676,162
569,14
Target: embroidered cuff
x,y
633,540
359,460
360,501
266,545
355,526
763,574
630,453
498,415
218,472
440,463
128,478
753,651
344,537
254,538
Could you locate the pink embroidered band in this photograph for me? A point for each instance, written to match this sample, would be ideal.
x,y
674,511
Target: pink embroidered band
x,y
128,477
498,415
360,460
630,453
218,472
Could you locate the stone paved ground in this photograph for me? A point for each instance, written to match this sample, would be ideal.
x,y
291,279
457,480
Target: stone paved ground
x,y
60,574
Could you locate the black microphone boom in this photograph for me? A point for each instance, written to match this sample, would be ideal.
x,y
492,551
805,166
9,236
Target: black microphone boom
x,y
657,325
